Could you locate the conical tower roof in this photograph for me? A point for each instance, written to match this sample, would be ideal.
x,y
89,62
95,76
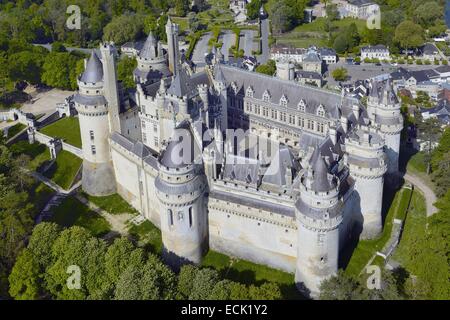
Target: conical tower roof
x,y
150,47
321,180
94,70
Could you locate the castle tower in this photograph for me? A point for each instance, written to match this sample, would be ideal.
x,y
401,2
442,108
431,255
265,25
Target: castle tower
x,y
172,41
384,112
93,111
367,163
180,188
285,69
150,58
111,90
319,215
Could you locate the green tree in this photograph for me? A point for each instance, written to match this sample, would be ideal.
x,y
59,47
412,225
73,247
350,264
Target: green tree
x,y
60,70
186,279
340,287
203,284
340,74
269,68
125,68
427,13
409,35
124,28
24,277
266,291
119,256
41,242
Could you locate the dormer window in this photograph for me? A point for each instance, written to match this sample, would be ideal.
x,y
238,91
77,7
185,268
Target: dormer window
x,y
249,92
266,96
234,87
283,101
302,106
321,111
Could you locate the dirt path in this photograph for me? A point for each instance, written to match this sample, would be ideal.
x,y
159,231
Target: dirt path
x,y
430,196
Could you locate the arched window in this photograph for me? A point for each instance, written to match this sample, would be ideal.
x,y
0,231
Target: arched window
x,y
170,214
234,87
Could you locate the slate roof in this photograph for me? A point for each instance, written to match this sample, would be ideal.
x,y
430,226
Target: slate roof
x,y
94,70
148,51
294,92
174,155
185,85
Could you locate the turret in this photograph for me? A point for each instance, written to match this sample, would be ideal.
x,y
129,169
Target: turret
x,y
180,188
384,112
93,111
151,61
366,161
172,41
111,90
285,69
318,215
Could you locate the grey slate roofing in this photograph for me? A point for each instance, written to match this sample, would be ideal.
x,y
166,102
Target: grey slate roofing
x,y
384,92
175,156
239,168
149,50
318,213
136,147
282,165
89,100
377,48
360,3
443,108
321,180
253,203
94,70
294,92
308,75
443,69
185,85
327,52
312,56
429,49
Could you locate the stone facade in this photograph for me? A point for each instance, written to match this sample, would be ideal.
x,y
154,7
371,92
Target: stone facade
x,y
311,172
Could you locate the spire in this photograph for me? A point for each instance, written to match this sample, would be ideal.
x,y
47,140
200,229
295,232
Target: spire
x,y
389,96
149,50
318,178
94,70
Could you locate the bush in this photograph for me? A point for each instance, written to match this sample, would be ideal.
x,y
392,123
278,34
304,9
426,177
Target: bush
x,y
445,62
419,62
436,62
427,62
401,61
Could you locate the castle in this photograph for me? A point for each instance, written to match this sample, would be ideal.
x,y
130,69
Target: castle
x,y
253,166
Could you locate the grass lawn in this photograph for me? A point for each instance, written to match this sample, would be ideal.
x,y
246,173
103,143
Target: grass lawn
x,y
414,230
38,153
72,212
64,170
314,33
251,273
148,236
15,129
113,204
365,249
67,129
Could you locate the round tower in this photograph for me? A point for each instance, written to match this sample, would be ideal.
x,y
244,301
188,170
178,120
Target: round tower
x,y
285,69
98,173
151,62
366,160
319,215
172,41
180,188
384,111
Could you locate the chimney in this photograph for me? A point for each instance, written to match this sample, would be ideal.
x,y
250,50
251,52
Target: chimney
x,y
332,133
356,110
344,123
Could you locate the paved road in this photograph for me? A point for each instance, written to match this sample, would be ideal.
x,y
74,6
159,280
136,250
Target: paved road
x,y
45,102
48,46
228,39
201,48
430,196
265,50
246,42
